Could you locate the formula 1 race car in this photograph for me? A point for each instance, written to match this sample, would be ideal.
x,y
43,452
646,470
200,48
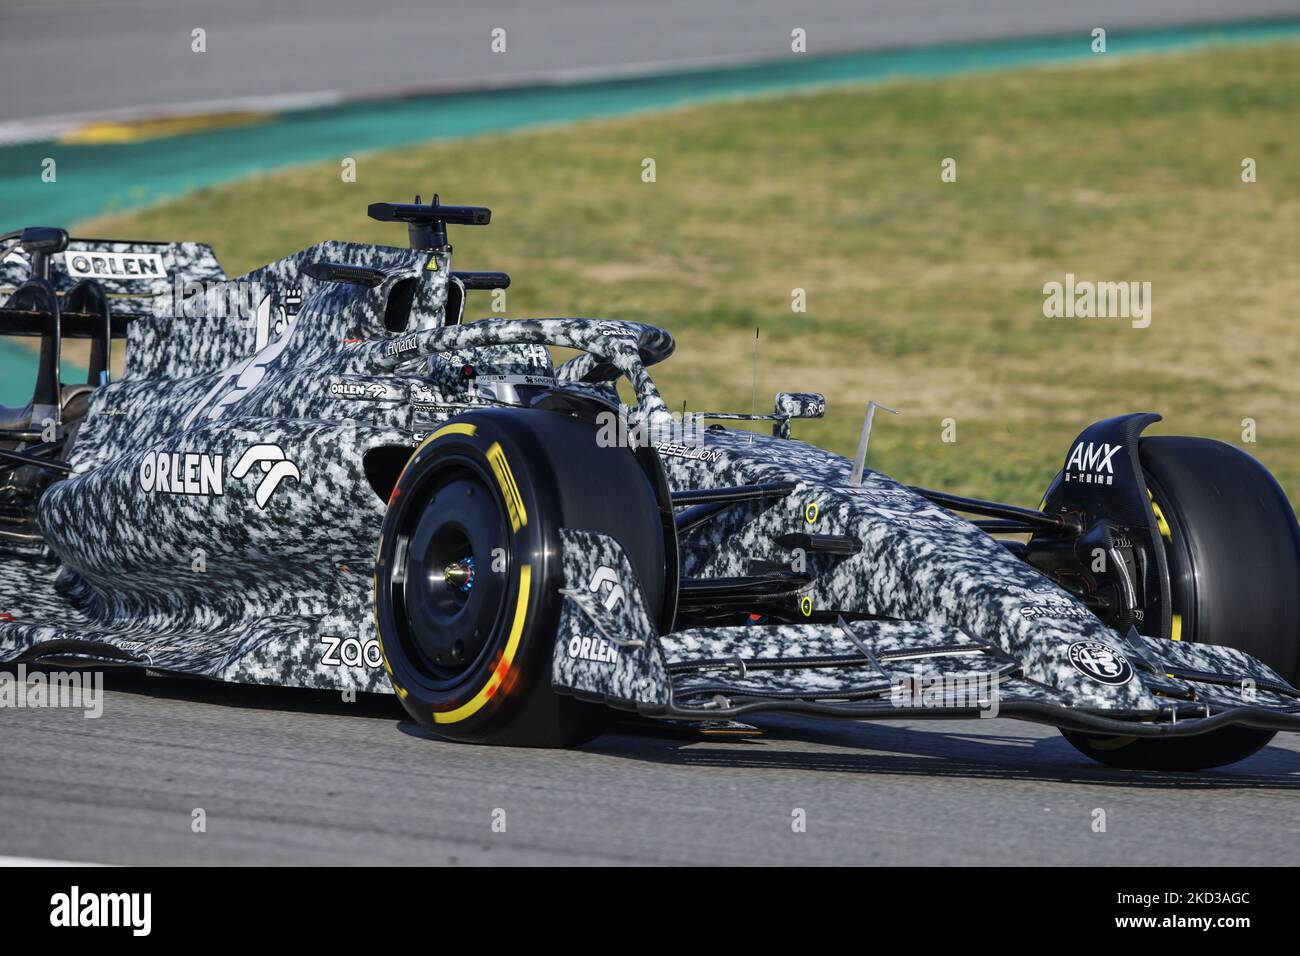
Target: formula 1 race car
x,y
319,475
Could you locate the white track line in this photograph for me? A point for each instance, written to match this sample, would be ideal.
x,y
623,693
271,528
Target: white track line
x,y
38,861
38,129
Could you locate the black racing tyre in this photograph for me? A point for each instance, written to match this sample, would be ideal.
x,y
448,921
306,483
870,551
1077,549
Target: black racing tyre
x,y
469,569
1233,549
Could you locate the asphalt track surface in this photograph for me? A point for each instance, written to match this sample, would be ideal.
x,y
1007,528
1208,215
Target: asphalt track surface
x,y
88,56
300,777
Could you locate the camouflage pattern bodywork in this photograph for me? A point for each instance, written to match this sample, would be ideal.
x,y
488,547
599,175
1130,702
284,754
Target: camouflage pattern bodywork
x,y
220,521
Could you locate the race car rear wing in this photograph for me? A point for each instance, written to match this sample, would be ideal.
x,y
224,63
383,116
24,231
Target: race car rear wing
x,y
57,287
132,274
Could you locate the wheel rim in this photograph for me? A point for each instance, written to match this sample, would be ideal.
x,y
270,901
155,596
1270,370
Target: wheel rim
x,y
450,588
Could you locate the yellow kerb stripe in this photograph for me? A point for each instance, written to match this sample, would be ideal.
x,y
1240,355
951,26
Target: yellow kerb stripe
x,y
507,657
133,131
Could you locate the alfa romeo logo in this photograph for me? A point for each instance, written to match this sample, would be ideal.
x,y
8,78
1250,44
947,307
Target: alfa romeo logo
x,y
1101,662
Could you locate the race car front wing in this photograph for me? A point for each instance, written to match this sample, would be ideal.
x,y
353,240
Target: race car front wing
x,y
607,650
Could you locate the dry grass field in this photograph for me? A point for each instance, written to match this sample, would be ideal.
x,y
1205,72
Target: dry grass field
x,y
922,294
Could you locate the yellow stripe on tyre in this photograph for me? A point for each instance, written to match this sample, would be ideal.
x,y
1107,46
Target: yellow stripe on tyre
x,y
455,428
502,667
468,429
506,479
1161,523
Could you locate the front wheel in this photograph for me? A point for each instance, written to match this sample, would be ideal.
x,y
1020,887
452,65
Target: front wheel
x,y
1233,550
469,569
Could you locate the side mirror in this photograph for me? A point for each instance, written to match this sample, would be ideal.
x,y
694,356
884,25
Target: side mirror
x,y
796,405
41,242
43,239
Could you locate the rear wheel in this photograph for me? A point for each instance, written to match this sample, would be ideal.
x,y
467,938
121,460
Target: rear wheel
x,y
1233,549
469,569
